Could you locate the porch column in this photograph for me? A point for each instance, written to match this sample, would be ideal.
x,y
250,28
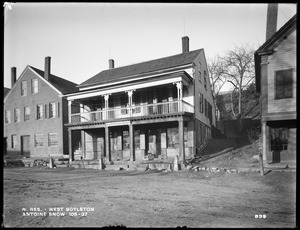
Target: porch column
x,y
131,144
130,93
70,110
107,145
70,146
106,97
181,139
265,140
179,95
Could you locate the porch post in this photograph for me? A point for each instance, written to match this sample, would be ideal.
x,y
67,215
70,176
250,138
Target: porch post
x,y
70,110
179,95
131,136
107,140
130,93
265,140
181,139
70,146
106,97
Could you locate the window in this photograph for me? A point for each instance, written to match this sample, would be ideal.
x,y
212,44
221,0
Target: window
x,y
52,110
206,109
173,137
23,88
126,140
34,86
26,113
17,115
205,79
39,113
201,102
284,84
13,141
137,141
53,139
38,140
279,139
200,75
7,117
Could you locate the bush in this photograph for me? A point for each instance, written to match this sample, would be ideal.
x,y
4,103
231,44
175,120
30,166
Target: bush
x,y
254,133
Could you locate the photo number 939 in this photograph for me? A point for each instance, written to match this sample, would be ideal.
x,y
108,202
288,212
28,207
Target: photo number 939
x,y
260,216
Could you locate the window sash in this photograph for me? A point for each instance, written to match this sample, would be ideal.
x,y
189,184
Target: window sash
x,y
39,112
17,115
13,141
26,113
284,84
7,117
23,88
52,110
38,140
34,86
53,139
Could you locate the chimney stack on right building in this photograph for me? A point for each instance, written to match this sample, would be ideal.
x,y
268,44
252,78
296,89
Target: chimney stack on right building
x,y
185,44
272,13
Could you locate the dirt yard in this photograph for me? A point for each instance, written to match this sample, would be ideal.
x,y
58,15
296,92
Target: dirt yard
x,y
64,197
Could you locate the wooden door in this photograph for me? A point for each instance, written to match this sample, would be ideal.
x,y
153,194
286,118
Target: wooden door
x,y
25,145
152,141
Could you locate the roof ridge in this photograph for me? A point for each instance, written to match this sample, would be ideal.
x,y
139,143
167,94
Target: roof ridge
x,y
153,60
52,75
137,69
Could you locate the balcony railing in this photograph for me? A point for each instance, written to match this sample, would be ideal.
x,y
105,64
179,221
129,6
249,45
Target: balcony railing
x,y
133,111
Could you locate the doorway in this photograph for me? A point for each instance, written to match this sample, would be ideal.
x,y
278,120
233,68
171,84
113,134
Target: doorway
x,y
25,145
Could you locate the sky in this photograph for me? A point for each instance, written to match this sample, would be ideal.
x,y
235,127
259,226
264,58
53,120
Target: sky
x,y
80,38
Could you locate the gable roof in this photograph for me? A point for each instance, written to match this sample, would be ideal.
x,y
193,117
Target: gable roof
x,y
132,71
269,46
63,85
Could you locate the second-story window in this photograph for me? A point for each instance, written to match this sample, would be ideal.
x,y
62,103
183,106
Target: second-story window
x,y
201,102
7,116
23,88
17,115
52,110
205,79
34,86
26,113
39,112
284,84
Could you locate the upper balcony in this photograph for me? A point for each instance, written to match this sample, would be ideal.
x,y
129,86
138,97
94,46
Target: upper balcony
x,y
165,108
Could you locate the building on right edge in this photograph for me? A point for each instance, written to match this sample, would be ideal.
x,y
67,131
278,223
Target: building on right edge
x,y
276,80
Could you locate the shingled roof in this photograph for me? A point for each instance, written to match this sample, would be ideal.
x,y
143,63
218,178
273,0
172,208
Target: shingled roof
x,y
132,71
61,84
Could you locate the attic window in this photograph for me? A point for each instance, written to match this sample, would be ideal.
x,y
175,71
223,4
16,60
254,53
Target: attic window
x,y
23,88
34,86
284,84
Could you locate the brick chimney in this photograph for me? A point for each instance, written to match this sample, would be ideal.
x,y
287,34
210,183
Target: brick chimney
x,y
111,63
13,76
185,44
47,68
271,19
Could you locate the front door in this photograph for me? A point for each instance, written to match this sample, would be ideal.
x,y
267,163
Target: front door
x,y
25,145
152,142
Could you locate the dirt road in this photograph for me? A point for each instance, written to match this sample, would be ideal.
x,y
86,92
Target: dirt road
x,y
91,198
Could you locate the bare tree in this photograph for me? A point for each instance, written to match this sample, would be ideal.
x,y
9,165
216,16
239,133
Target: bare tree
x,y
238,69
216,73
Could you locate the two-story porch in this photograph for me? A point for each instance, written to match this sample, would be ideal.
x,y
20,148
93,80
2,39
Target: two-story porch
x,y
130,122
